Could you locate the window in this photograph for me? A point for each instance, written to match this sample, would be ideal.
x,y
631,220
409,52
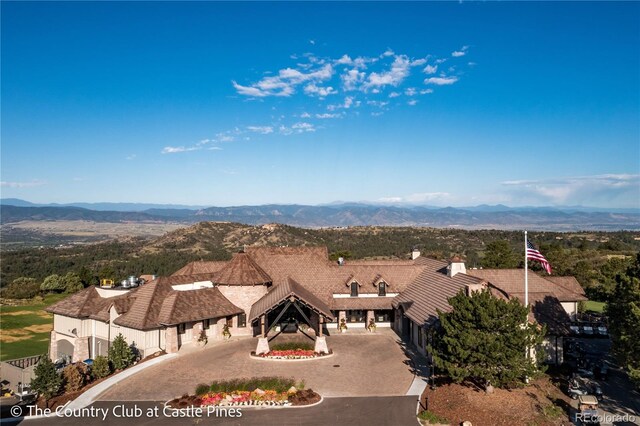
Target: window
x,y
242,320
382,288
230,321
354,289
356,315
383,315
206,324
181,328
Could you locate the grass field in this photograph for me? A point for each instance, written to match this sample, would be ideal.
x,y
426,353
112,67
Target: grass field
x,y
25,330
593,306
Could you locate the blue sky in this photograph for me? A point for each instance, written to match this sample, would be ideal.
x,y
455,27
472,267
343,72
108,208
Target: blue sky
x,y
208,103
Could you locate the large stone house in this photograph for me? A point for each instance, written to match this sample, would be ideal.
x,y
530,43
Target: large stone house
x,y
263,288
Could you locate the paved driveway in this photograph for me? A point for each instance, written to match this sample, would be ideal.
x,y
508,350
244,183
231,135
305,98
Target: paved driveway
x,y
362,365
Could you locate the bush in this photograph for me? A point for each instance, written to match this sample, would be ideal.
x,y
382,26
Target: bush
x,y
120,354
53,283
73,378
292,346
432,418
552,411
22,288
278,384
202,389
101,367
47,381
71,282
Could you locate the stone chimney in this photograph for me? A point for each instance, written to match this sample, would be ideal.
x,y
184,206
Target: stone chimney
x,y
415,253
456,265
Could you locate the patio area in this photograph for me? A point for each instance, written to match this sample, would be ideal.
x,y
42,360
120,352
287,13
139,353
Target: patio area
x,y
363,365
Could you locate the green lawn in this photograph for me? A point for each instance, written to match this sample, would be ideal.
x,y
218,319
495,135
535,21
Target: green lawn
x,y
25,330
593,306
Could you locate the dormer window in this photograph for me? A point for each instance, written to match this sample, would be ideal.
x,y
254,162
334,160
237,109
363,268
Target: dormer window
x,y
354,289
382,288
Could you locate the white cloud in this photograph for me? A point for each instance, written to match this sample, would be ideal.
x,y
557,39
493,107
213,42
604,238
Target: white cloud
x,y
345,60
312,89
31,184
418,198
394,94
411,91
177,149
396,75
130,157
595,190
430,69
312,41
412,102
264,130
441,81
303,127
379,104
348,101
328,115
418,62
426,91
387,52
351,79
457,53
305,115
284,83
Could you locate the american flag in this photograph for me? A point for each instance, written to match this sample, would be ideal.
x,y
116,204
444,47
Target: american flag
x,y
534,254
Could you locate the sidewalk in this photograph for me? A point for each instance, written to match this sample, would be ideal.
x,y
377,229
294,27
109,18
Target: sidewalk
x,y
89,397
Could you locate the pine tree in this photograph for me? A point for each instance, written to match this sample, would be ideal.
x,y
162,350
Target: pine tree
x,y
47,381
499,254
101,367
623,310
120,354
485,340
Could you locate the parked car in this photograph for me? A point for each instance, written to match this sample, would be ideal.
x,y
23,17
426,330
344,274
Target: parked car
x,y
575,330
602,331
576,388
588,410
587,330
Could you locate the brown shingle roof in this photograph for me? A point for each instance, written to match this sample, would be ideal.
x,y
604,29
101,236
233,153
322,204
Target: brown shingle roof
x,y
429,293
87,303
201,267
241,270
512,281
281,292
143,312
195,305
570,283
347,303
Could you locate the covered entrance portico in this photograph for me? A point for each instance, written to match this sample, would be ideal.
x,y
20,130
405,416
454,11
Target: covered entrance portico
x,y
288,305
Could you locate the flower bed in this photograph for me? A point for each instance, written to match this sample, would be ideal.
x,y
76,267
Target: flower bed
x,y
256,398
292,354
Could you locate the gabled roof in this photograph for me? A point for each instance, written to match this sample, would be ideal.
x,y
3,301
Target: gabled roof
x,y
195,305
282,292
241,270
429,293
201,267
87,303
565,289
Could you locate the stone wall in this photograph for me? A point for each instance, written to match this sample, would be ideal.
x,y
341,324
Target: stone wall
x,y
81,350
172,340
243,297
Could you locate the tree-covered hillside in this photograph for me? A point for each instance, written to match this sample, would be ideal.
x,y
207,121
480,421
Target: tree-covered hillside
x,y
593,257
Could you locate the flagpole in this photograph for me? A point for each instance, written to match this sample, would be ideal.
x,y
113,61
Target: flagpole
x,y
526,273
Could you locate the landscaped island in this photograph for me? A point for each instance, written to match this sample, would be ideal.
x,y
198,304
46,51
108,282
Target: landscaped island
x,y
261,391
292,350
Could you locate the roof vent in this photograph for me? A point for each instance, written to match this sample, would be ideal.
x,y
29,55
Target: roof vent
x,y
415,253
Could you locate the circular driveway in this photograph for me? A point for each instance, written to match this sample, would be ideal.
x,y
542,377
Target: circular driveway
x,y
362,365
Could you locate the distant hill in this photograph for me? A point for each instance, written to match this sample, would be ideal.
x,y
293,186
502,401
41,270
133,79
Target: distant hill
x,y
341,215
12,214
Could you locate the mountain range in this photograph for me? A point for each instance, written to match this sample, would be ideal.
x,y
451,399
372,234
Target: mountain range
x,y
334,215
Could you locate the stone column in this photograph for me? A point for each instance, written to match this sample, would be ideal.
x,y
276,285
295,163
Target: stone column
x,y
320,325
263,346
195,334
53,346
321,345
81,349
171,340
263,326
370,316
